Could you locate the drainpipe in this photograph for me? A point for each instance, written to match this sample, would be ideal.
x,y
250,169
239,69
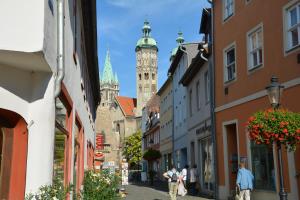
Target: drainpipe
x,y
173,123
212,102
204,48
202,56
59,74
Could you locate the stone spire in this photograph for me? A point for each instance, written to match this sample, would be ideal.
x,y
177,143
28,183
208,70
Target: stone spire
x,y
109,87
108,76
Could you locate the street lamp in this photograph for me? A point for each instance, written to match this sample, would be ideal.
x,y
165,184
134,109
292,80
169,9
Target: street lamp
x,y
274,91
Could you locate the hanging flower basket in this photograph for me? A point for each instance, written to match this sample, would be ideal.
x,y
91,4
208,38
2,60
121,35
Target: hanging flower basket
x,y
280,126
152,154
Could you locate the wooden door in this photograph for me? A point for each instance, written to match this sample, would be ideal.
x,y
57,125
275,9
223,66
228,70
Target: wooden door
x,y
232,154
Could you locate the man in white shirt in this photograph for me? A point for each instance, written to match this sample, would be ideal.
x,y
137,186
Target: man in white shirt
x,y
193,179
184,174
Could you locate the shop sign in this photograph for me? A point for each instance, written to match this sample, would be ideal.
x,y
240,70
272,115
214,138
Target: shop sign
x,y
124,173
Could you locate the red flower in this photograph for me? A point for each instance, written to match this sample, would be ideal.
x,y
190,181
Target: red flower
x,y
285,131
281,139
251,119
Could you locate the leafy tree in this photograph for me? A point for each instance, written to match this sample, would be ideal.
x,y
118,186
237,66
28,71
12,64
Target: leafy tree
x,y
133,148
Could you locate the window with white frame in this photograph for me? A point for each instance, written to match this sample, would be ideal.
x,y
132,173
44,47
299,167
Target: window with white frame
x,y
229,59
206,78
228,6
255,48
293,26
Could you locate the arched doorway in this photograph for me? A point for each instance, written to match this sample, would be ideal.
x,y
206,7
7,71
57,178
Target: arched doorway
x,y
13,144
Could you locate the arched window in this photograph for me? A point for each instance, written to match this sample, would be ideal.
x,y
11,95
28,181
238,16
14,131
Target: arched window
x,y
118,128
146,76
153,76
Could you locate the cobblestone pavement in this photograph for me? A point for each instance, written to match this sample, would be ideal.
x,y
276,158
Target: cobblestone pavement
x,y
142,192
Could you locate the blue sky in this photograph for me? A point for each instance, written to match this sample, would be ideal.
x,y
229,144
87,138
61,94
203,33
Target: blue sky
x,y
120,26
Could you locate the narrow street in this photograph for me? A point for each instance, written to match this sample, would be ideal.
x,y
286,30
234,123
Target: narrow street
x,y
143,192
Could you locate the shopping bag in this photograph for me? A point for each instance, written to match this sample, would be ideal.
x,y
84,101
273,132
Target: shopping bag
x,y
181,190
237,194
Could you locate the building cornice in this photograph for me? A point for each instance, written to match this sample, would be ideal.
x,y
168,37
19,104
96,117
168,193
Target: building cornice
x,y
255,96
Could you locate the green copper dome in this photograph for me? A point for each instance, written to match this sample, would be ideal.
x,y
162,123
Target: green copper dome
x,y
179,41
146,41
143,42
174,51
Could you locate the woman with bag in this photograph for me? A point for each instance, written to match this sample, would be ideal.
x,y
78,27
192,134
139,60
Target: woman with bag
x,y
181,189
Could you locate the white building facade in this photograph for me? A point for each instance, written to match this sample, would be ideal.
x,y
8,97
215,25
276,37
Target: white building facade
x,y
180,63
200,144
166,124
49,88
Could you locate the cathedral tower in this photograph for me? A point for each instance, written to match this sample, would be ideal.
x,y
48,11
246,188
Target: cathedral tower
x,y
146,68
109,84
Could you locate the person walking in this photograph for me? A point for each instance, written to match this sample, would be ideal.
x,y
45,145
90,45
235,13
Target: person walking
x,y
173,175
184,174
193,179
244,182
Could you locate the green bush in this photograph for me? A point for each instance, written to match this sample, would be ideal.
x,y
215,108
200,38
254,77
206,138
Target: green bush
x,y
100,185
56,191
96,185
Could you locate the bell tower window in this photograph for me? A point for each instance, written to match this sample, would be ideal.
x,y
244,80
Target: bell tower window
x,y
146,76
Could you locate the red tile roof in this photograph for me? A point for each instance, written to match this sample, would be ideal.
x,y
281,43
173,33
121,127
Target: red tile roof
x,y
127,105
